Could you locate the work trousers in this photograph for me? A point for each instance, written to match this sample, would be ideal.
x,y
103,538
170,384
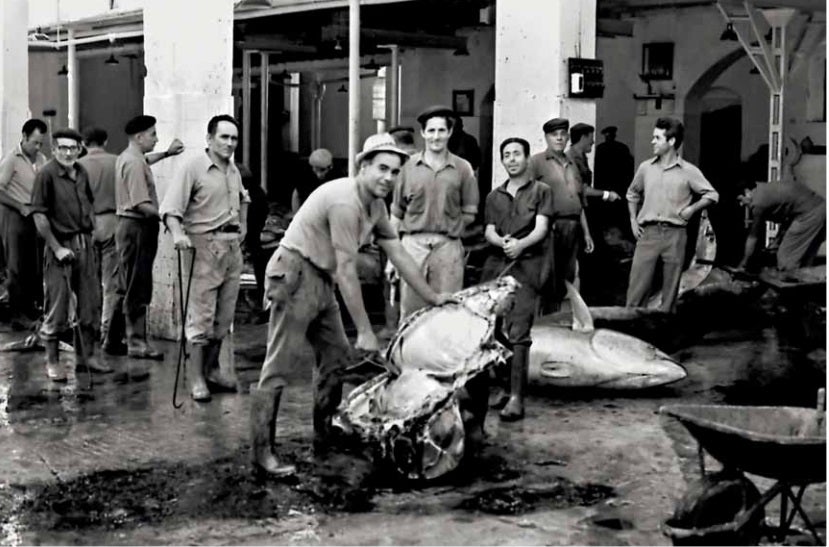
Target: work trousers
x,y
528,271
107,251
564,245
214,288
22,251
72,291
658,241
802,239
304,310
441,261
137,243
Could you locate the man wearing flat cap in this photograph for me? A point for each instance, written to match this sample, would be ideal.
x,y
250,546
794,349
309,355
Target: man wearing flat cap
x,y
136,237
569,228
62,207
320,250
434,202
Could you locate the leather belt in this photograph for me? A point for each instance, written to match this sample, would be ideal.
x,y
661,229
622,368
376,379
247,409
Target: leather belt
x,y
229,229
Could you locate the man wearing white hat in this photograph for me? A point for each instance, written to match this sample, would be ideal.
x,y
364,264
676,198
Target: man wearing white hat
x,y
318,250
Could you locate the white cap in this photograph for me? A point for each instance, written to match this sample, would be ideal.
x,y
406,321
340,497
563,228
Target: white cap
x,y
381,142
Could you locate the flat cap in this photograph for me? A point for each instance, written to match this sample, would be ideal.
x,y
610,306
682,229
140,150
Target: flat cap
x,y
139,124
67,133
610,129
401,129
435,111
555,124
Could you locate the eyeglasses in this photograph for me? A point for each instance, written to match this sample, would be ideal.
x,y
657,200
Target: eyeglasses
x,y
67,149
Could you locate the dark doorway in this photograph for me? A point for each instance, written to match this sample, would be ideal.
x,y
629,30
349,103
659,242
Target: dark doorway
x,y
720,160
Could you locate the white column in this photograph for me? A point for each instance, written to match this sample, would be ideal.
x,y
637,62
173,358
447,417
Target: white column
x,y
189,76
73,82
353,83
532,44
14,71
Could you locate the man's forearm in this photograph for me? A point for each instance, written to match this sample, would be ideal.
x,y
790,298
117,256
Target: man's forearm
x,y
408,269
174,225
584,226
243,215
633,209
467,219
45,231
748,251
147,209
349,284
155,157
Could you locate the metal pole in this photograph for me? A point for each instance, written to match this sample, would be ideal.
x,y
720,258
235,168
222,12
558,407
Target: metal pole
x,y
73,83
263,119
353,83
394,85
246,107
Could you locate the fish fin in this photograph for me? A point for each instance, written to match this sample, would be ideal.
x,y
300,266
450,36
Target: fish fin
x,y
582,320
551,369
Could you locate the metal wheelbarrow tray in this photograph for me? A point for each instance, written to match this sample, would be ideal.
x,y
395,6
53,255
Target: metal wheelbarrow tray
x,y
785,444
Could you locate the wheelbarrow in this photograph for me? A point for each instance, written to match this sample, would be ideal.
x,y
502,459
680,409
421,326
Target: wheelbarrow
x,y
785,444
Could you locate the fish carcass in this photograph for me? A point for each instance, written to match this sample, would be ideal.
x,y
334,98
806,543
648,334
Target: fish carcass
x,y
414,419
582,356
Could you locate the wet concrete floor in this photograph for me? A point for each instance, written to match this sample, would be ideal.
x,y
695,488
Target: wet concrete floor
x,y
117,464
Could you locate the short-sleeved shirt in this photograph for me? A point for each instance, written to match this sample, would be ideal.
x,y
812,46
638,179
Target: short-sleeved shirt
x,y
66,203
100,166
516,216
781,202
333,218
17,175
663,193
134,183
562,176
205,197
434,202
583,167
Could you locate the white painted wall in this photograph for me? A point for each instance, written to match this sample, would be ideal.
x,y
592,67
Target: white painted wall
x,y
14,81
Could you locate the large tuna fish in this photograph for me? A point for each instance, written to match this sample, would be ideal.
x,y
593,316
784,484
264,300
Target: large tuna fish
x,y
414,419
582,356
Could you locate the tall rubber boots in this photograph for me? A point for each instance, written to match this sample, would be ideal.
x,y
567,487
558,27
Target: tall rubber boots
x,y
54,370
86,355
264,408
514,409
198,386
217,379
328,394
137,346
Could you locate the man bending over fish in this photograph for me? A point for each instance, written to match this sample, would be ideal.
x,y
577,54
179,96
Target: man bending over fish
x,y
318,250
517,217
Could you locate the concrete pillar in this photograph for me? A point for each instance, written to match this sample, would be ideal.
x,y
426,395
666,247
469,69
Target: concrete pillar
x,y
532,44
73,83
14,71
189,76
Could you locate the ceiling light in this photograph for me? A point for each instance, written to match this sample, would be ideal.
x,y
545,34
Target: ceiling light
x,y
63,71
338,46
342,89
111,60
728,35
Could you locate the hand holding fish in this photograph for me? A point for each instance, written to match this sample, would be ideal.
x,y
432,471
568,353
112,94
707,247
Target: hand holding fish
x,y
367,341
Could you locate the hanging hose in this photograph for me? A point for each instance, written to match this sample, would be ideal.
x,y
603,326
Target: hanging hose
x,y
184,302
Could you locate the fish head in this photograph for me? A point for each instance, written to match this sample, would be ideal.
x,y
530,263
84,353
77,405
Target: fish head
x,y
636,364
494,297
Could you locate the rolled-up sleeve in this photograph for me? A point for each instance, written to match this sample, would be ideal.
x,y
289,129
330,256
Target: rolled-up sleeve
x,y
700,185
469,191
41,193
177,195
383,228
637,185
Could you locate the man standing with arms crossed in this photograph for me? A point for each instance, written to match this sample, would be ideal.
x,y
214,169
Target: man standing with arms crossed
x,y
318,251
554,168
660,206
434,201
205,208
21,247
137,234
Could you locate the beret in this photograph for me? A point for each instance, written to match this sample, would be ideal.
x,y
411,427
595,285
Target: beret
x,y
556,123
401,129
67,133
434,111
139,124
610,129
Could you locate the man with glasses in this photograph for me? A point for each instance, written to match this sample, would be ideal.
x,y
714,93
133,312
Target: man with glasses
x,y
136,236
62,209
21,246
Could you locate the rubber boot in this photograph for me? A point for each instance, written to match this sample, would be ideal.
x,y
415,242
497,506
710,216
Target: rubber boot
x,y
514,409
137,346
264,408
198,386
217,380
86,354
499,397
54,370
112,334
327,397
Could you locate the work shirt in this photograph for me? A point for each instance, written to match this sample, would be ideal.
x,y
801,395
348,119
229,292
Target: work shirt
x,y
562,176
134,183
17,177
516,216
663,193
434,202
781,202
333,218
100,167
205,197
580,159
66,203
